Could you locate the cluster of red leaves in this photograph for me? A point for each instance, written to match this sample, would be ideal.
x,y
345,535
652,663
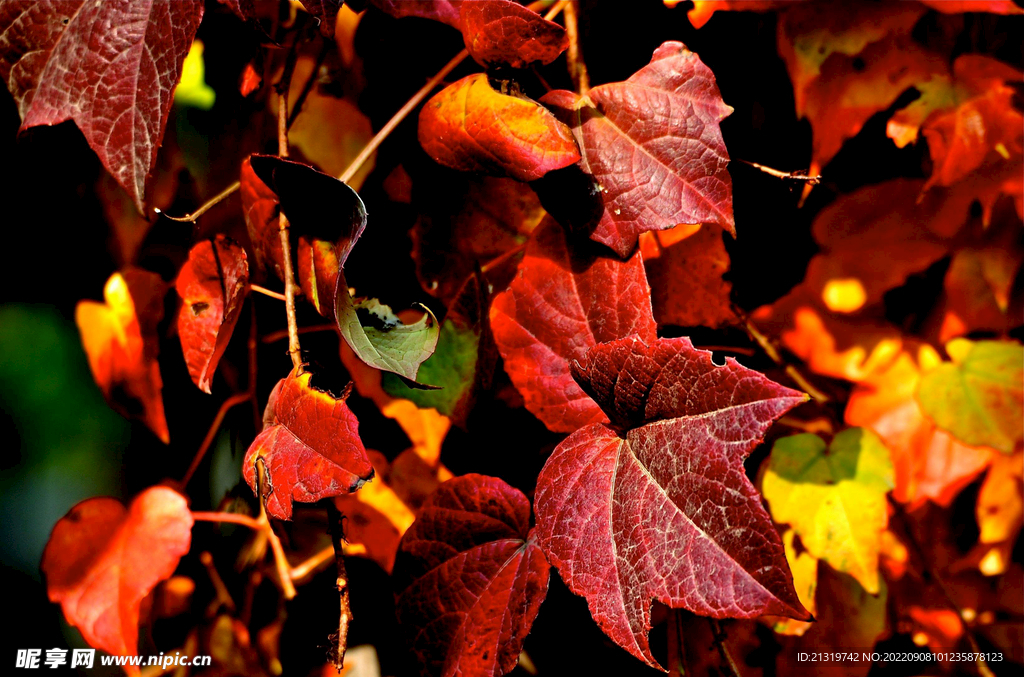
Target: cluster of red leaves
x,y
647,498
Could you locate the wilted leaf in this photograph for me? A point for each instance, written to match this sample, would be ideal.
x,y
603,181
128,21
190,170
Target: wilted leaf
x,y
979,396
472,127
102,559
654,147
561,303
212,285
310,447
471,578
833,498
647,509
382,340
119,337
504,33
453,365
929,463
118,92
687,288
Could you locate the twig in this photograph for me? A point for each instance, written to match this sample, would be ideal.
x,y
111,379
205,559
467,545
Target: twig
x,y
223,598
716,629
207,206
929,573
397,118
253,346
228,518
275,336
790,370
322,557
812,180
266,292
294,351
574,56
211,434
308,86
280,561
336,520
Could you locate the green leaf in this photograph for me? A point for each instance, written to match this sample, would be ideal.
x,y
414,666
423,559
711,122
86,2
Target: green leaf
x,y
833,498
978,397
380,339
453,366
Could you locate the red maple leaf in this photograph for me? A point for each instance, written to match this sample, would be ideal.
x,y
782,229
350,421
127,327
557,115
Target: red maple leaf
x,y
471,578
102,559
561,303
657,505
654,147
118,91
212,285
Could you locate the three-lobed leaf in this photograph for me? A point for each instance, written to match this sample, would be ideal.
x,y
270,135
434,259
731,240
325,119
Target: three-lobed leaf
x,y
309,447
212,285
102,559
659,506
471,578
654,147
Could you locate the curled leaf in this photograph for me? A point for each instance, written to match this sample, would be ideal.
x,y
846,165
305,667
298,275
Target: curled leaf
x,y
380,339
309,446
102,559
212,285
471,127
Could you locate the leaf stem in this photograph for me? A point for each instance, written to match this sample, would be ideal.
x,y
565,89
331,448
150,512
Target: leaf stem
x,y
211,434
207,206
728,663
266,292
574,56
397,118
773,353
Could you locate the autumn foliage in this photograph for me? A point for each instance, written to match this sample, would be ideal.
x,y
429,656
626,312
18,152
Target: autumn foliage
x,y
488,363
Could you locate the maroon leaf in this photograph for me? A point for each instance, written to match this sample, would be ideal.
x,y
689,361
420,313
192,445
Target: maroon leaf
x,y
662,509
472,578
445,11
261,210
326,13
504,33
310,445
118,91
654,146
212,285
561,304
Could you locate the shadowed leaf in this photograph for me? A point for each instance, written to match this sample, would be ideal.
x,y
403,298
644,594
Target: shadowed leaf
x,y
504,33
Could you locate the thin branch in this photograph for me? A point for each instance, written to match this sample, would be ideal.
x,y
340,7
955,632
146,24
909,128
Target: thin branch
x,y
253,349
574,57
266,292
308,86
336,520
813,179
791,371
223,598
280,561
211,434
294,351
322,557
931,574
276,336
207,206
397,118
728,663
228,518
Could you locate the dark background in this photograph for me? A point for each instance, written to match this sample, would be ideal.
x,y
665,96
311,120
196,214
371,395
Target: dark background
x,y
59,444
